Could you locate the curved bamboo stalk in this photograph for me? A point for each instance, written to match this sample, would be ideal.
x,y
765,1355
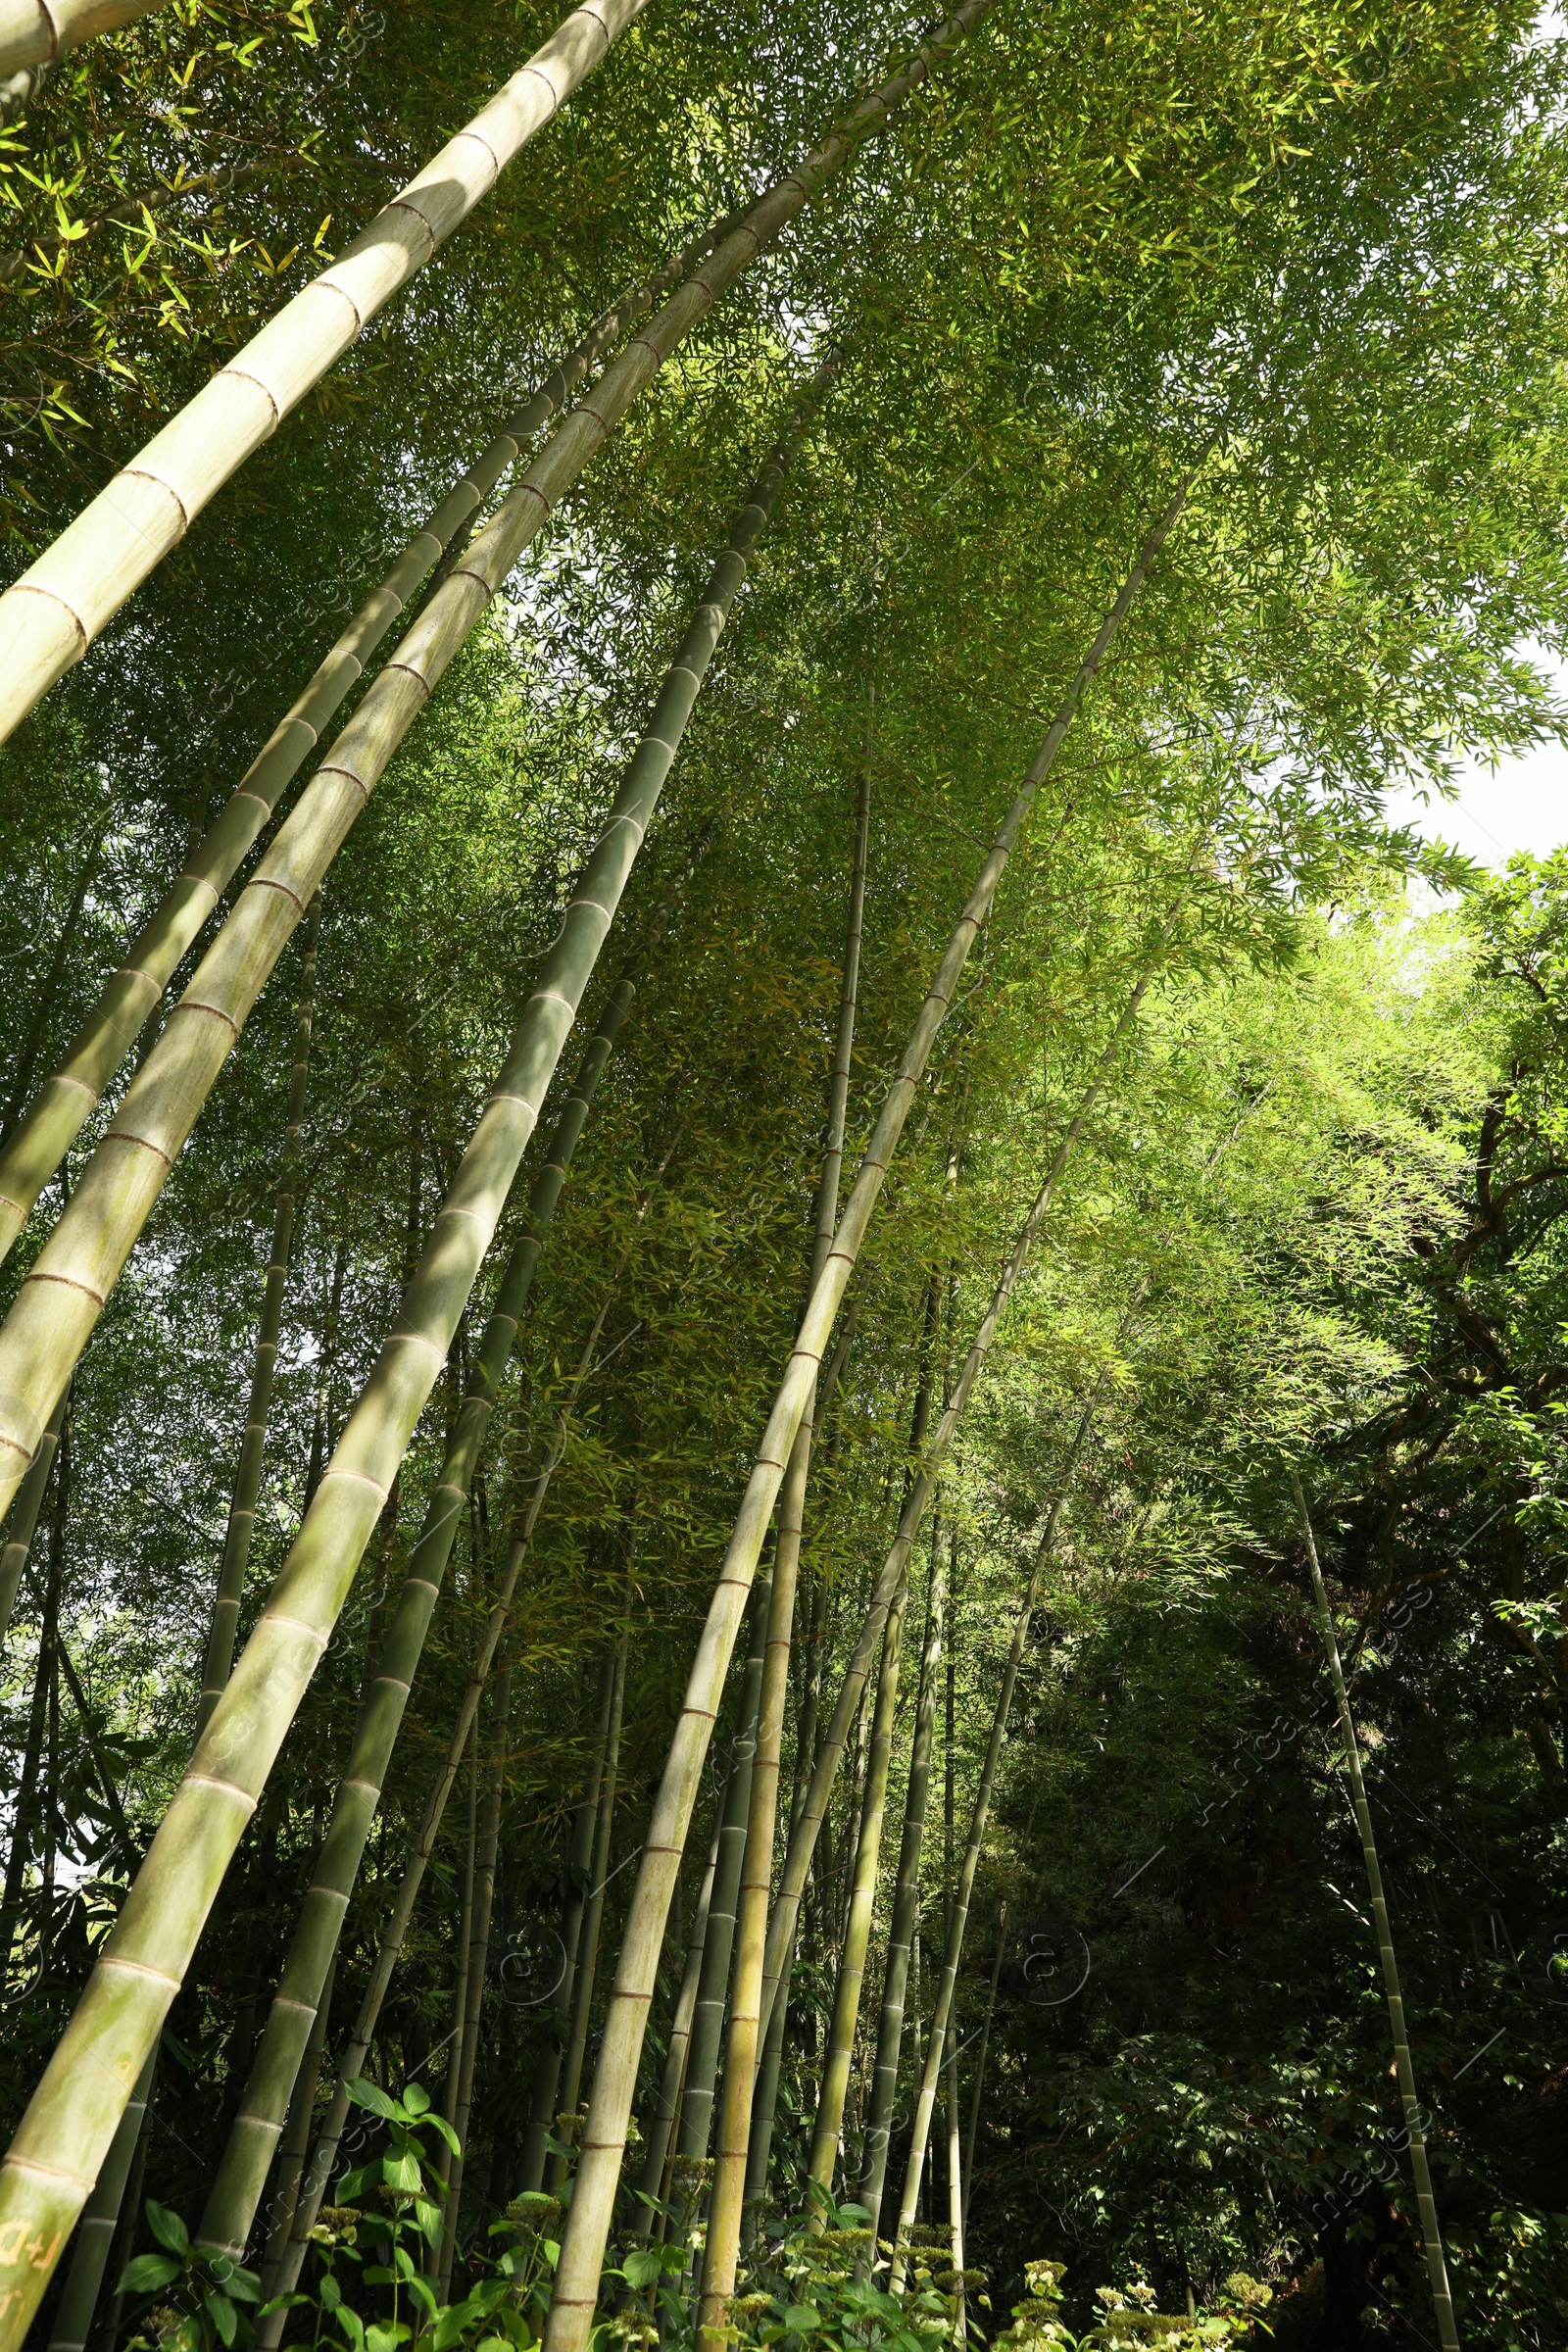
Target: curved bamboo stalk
x,y
65,1100
476,1964
667,2113
52,613
24,1517
719,1946
547,2070
594,1908
958,1916
587,2229
839,2052
34,32
896,1568
69,2122
247,1477
721,2253
64,1294
1414,2130
95,2233
324,2155
906,1912
972,2134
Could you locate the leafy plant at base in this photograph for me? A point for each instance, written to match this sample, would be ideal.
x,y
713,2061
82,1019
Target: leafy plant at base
x,y
214,2289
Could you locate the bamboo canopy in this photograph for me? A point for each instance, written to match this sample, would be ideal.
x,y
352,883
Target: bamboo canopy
x,y
454,1696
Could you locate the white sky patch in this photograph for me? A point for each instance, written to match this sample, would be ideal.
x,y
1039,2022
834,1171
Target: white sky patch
x,y
1520,804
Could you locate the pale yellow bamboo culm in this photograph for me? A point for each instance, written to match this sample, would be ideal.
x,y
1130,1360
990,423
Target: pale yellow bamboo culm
x,y
50,617
34,32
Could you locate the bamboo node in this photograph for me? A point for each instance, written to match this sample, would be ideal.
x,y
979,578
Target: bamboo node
x,y
64,1280
140,474
244,376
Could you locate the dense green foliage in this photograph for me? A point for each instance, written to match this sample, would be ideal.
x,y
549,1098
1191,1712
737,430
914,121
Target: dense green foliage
x,y
1313,248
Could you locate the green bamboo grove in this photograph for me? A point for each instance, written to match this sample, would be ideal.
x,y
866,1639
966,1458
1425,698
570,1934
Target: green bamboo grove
x,y
781,1244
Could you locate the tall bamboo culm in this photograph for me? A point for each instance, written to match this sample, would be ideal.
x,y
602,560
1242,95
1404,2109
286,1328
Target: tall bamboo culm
x,y
726,2203
587,2229
81,1262
237,2186
248,1476
958,1914
905,1910
241,2176
51,615
324,2156
42,1138
891,1581
579,1862
1415,2131
24,1521
70,2119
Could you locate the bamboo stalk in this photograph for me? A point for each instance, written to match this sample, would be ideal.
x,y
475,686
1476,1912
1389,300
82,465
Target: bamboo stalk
x,y
70,2119
973,2133
247,1477
34,32
894,1569
31,1155
547,2072
718,1948
857,1927
587,2227
726,2203
1414,2129
958,1916
673,2077
95,2233
24,1516
956,2189
296,2141
52,613
594,1908
325,2154
906,1912
485,1849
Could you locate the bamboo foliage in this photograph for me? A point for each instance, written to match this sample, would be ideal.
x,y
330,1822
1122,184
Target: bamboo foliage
x,y
1415,2132
52,613
65,1100
248,1476
71,2117
65,1293
576,2279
